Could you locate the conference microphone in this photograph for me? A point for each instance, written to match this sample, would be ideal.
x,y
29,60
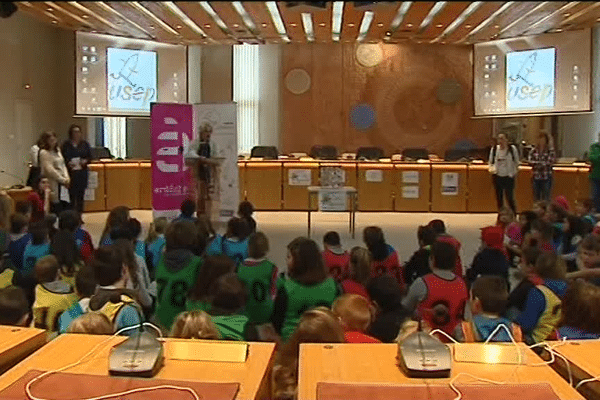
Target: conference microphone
x,y
20,185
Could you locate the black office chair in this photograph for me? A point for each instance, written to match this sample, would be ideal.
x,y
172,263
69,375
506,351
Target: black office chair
x,y
369,153
458,155
415,154
266,152
324,152
100,152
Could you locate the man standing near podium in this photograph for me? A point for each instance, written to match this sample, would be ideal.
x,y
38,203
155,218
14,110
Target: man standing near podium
x,y
199,154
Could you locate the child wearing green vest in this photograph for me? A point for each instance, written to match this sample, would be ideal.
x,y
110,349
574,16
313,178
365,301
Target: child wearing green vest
x,y
212,269
259,275
176,272
307,287
228,299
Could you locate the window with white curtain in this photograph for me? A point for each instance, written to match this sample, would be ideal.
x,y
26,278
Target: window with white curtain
x,y
115,136
246,93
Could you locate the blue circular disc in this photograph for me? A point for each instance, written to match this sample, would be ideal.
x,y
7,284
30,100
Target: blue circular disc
x,y
362,116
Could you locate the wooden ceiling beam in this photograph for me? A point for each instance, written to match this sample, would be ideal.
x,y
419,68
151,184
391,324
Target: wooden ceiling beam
x,y
412,20
172,20
517,10
263,21
322,24
292,20
520,26
196,13
441,21
556,18
381,22
485,10
351,19
147,23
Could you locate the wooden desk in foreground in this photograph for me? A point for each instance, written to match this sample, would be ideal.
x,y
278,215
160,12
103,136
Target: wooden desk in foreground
x,y
376,363
17,343
69,348
583,356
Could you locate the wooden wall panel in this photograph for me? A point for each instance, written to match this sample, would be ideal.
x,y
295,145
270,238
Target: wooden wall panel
x,y
402,90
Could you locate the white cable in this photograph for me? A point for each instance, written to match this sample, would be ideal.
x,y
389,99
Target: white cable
x,y
443,333
112,395
583,382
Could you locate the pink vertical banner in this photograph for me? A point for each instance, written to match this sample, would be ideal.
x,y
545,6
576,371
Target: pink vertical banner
x,y
172,181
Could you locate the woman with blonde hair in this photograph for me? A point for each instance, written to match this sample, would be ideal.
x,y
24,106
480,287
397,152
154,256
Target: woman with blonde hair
x,y
54,168
194,325
318,325
91,323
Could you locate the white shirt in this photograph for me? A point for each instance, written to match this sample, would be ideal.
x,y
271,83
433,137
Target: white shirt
x,y
33,153
504,164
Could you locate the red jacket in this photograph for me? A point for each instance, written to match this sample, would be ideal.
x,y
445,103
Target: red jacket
x,y
336,264
352,287
452,295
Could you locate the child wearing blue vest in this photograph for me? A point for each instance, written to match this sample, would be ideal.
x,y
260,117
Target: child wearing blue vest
x,y
307,287
37,248
85,287
155,242
228,299
580,316
489,297
542,311
235,242
260,276
19,238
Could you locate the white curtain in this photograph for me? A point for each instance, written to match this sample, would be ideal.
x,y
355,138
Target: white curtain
x,y
115,136
246,93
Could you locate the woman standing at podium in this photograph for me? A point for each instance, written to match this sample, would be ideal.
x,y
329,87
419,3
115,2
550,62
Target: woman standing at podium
x,y
201,150
504,166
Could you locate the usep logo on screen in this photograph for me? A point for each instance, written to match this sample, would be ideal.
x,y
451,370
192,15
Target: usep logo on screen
x,y
530,79
132,79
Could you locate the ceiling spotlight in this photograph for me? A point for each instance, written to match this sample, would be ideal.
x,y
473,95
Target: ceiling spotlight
x,y
439,25
264,24
151,27
54,21
388,33
351,25
293,24
566,15
468,26
322,24
179,27
380,24
49,9
496,26
236,25
85,16
207,26
409,25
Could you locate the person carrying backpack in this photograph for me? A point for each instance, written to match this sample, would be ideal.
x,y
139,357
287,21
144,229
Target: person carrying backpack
x,y
504,165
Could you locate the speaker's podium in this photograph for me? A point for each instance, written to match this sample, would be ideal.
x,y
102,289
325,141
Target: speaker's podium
x,y
207,175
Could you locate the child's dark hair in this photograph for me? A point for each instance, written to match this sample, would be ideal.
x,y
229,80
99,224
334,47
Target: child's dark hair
x,y
18,222
492,292
50,221
426,235
13,305
385,291
444,255
228,293
135,228
332,238
213,268
543,227
590,243
64,247
188,208
307,268
529,217
181,234
550,266
375,242
85,282
587,204
530,255
560,212
39,233
237,227
580,306
258,245
245,209
107,265
23,207
69,220
46,269
438,226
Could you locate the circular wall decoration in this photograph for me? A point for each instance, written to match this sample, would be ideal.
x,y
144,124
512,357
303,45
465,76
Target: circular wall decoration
x,y
369,55
362,116
297,81
449,91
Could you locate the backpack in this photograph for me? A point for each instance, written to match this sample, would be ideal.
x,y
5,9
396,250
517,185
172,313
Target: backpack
x,y
512,148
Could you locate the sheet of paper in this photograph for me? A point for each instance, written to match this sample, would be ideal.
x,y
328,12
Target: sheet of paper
x,y
332,200
410,176
64,194
450,183
410,192
92,179
299,177
374,175
90,194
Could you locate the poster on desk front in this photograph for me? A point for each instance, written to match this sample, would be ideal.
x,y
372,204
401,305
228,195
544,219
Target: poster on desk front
x,y
172,180
222,118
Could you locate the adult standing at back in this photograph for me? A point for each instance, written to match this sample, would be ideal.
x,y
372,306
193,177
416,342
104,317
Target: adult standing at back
x,y
594,159
34,161
542,158
77,155
53,167
503,164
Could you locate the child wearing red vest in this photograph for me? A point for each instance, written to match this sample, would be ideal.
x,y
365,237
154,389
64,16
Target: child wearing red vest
x,y
335,258
355,314
384,259
440,229
358,274
439,298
